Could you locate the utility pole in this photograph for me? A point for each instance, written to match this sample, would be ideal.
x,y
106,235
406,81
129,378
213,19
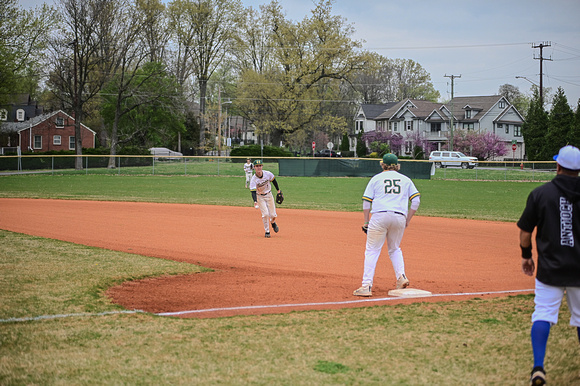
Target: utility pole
x,y
541,59
452,77
219,126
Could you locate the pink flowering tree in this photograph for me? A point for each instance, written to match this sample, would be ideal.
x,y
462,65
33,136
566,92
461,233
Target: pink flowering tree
x,y
484,146
384,141
421,145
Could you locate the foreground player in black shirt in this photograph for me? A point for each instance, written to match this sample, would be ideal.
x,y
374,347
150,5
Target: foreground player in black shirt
x,y
554,208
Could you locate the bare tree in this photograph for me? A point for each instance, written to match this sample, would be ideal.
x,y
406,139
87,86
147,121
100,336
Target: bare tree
x,y
204,31
81,56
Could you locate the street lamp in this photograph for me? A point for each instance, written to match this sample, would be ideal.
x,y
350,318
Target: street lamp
x,y
523,77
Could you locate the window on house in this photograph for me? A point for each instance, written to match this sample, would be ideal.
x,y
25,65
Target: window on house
x,y
507,129
468,126
408,146
71,143
501,104
395,126
3,115
38,141
435,127
408,125
20,115
56,140
59,122
467,114
517,131
500,125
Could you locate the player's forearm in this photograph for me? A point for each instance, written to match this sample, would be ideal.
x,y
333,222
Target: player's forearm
x,y
275,183
367,214
254,196
410,215
525,238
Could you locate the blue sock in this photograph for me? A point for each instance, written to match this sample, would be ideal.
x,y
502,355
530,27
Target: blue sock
x,y
540,333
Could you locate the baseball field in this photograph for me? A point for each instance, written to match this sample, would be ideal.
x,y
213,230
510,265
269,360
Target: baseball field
x,y
149,279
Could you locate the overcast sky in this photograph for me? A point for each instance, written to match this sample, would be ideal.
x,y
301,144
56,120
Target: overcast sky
x,y
488,43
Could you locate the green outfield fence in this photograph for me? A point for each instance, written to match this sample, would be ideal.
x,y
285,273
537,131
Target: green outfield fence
x,y
282,166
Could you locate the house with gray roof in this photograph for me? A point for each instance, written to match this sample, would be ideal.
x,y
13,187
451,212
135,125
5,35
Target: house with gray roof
x,y
433,121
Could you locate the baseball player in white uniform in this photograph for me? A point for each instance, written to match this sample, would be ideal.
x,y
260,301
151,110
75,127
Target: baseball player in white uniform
x,y
261,189
248,167
388,194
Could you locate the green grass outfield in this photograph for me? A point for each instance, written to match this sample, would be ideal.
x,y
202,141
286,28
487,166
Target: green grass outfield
x,y
452,343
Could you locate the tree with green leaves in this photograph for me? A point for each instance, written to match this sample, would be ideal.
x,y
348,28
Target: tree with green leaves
x,y
535,129
560,124
515,97
23,38
145,110
385,80
574,137
294,89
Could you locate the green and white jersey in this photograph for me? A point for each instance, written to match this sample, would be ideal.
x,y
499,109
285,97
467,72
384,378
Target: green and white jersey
x,y
261,184
390,190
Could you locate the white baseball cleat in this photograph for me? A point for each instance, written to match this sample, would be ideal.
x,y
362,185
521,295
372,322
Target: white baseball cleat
x,y
365,290
402,282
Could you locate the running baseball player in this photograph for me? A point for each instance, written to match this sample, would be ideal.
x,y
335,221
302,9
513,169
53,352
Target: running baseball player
x,y
248,167
387,197
260,187
554,209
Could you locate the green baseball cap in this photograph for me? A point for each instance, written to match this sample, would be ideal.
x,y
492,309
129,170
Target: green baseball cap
x,y
390,159
258,162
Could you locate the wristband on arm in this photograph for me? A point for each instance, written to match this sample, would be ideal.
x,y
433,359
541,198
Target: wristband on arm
x,y
526,252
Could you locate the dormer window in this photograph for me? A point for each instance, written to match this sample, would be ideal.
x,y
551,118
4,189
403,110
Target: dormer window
x,y
59,122
468,114
502,104
3,115
20,115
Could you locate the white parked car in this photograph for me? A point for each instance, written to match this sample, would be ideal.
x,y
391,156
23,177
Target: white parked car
x,y
444,158
163,152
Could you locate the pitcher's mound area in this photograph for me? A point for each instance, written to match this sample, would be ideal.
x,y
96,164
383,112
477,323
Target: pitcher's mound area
x,y
314,262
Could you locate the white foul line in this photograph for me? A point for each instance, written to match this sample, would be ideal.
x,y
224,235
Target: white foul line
x,y
177,313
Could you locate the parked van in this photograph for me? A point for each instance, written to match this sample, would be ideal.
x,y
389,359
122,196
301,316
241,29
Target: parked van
x,y
452,158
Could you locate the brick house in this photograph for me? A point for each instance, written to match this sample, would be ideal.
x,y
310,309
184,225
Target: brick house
x,y
47,132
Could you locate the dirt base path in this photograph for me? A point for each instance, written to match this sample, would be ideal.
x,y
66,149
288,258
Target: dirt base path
x,y
314,262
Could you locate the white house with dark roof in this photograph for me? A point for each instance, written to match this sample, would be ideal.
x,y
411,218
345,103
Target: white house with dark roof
x,y
433,120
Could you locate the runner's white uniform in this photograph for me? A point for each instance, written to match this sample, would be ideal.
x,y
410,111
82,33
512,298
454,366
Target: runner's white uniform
x,y
248,170
264,197
389,193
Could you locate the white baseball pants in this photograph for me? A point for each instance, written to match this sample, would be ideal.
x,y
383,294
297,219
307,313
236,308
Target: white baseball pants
x,y
383,226
548,300
267,206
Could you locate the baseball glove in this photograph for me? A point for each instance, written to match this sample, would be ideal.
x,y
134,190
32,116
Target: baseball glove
x,y
365,228
279,198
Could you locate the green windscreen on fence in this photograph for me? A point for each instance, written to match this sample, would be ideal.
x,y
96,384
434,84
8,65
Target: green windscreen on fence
x,y
302,167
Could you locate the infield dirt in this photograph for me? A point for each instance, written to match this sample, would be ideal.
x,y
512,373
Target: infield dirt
x,y
314,262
